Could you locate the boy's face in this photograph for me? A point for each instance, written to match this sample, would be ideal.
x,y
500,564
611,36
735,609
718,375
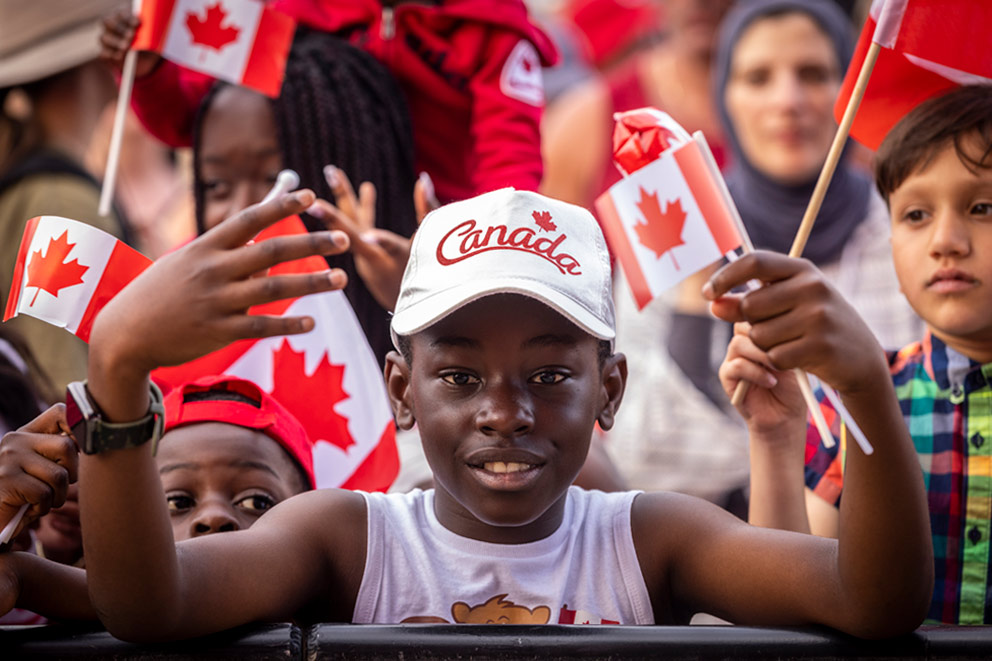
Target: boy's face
x,y
220,477
506,393
942,249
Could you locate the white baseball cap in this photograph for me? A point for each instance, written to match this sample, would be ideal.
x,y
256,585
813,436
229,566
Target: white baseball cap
x,y
507,242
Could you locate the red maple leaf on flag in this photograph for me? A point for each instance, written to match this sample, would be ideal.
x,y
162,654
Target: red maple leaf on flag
x,y
51,272
662,230
208,30
543,220
311,398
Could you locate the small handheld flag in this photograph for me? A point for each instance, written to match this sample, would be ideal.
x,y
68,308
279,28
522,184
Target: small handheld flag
x,y
670,216
240,41
66,271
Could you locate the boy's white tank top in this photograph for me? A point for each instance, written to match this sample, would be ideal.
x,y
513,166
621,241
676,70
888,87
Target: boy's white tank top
x,y
586,572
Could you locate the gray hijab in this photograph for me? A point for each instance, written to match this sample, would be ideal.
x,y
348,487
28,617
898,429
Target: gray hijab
x,y
772,210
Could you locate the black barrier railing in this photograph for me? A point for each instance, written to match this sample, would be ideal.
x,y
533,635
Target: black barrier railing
x,y
433,641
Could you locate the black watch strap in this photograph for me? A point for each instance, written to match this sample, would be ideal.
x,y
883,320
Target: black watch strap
x,y
95,435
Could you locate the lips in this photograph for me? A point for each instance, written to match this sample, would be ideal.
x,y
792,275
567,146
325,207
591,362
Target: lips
x,y
505,469
950,280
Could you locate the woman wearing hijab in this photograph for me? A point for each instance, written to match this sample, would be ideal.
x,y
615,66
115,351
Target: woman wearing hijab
x,y
777,72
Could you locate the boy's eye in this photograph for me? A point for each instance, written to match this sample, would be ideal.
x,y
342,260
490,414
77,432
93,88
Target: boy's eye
x,y
179,502
547,378
460,379
914,215
256,502
982,209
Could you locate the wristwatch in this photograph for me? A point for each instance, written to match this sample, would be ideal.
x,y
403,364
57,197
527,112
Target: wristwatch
x,y
93,434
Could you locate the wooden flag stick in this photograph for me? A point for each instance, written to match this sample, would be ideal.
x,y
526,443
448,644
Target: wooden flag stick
x,y
123,101
826,174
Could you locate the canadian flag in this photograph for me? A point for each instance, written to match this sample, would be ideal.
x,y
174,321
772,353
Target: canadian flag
x,y
928,47
669,219
240,41
328,378
66,271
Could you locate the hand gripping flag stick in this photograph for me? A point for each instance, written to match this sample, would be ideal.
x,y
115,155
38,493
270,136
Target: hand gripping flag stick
x,y
117,135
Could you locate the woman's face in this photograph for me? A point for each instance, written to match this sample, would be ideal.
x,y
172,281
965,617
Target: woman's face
x,y
784,78
239,154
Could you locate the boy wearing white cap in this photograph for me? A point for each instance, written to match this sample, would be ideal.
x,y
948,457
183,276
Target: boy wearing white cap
x,y
505,322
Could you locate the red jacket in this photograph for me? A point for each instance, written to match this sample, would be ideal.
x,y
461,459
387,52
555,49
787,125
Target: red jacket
x,y
470,70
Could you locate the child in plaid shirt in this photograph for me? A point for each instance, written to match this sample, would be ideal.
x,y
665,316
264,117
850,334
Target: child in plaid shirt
x,y
934,170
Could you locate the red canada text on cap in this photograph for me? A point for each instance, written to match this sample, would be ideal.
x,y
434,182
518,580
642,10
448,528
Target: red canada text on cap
x,y
467,239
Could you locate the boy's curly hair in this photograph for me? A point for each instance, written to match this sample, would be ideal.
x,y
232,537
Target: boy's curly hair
x,y
962,116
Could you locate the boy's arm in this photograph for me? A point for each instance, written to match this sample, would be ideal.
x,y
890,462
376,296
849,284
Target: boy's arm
x,y
189,303
41,586
876,579
776,416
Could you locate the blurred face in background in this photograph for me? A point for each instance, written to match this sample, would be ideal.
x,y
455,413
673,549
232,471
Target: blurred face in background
x,y
784,79
694,23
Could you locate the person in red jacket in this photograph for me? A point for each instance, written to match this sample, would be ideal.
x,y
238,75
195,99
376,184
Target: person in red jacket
x,y
470,70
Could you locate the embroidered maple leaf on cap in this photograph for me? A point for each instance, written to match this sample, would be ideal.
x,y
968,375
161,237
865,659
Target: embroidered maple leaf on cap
x,y
51,271
662,230
543,220
210,30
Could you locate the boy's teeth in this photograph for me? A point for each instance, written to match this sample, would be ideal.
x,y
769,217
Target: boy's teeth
x,y
505,466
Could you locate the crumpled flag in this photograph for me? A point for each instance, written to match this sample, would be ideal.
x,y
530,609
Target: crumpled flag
x,y
642,135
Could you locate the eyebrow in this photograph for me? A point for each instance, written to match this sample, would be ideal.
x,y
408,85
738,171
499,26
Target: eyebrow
x,y
237,463
455,341
551,339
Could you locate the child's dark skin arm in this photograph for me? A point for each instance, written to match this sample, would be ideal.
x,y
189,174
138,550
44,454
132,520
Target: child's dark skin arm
x,y
189,303
48,588
876,579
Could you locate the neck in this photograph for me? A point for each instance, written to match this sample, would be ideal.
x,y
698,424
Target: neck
x,y
978,349
70,132
459,520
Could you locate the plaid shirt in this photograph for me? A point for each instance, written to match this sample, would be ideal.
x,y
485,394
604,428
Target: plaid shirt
x,y
946,400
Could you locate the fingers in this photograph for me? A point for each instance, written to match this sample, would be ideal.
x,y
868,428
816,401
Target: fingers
x,y
119,28
761,265
424,198
344,194
259,326
746,362
245,225
335,219
257,291
49,421
265,254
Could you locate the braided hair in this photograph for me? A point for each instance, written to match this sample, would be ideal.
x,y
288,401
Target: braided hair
x,y
341,107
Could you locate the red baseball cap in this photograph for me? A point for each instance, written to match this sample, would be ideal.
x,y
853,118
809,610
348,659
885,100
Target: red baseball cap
x,y
268,416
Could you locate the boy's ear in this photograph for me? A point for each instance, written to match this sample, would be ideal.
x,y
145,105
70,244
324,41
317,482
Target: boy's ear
x,y
397,374
614,382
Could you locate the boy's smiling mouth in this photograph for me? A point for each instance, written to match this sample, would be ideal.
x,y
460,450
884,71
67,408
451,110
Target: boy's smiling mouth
x,y
504,469
950,280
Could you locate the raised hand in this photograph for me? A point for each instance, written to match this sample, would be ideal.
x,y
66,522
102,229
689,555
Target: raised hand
x,y
380,255
196,300
119,28
38,462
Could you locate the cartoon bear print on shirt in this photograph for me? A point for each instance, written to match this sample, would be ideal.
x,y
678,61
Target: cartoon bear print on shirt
x,y
496,610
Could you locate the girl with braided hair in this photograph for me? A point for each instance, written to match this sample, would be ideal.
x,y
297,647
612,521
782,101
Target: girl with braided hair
x,y
339,112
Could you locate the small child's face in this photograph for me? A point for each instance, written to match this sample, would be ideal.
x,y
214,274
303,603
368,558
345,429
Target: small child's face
x,y
239,155
220,477
942,248
506,393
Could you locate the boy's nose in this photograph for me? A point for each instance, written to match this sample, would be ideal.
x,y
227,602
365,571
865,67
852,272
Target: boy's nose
x,y
949,236
211,518
507,411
